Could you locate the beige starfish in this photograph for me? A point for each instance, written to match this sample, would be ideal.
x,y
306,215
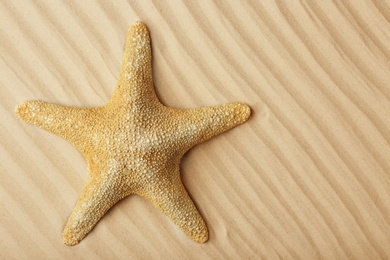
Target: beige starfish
x,y
133,145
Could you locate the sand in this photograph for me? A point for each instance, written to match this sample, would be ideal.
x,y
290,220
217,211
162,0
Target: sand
x,y
306,177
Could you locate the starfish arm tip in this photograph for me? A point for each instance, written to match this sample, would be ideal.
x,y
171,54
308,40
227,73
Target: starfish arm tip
x,y
138,24
208,122
243,112
202,237
60,120
174,201
27,110
76,229
19,110
69,239
138,28
195,228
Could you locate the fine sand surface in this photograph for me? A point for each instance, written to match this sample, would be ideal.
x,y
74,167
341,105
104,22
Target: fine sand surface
x,y
307,177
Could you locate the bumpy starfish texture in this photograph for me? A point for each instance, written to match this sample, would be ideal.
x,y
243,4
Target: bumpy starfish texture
x,y
133,145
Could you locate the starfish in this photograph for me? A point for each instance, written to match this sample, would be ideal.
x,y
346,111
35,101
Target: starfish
x,y
134,144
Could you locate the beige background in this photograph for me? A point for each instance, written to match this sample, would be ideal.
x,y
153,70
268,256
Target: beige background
x,y
306,177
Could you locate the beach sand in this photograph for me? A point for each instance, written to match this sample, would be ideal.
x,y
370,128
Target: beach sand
x,y
307,177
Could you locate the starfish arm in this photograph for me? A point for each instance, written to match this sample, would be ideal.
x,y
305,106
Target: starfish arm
x,y
198,125
67,122
99,194
174,201
135,80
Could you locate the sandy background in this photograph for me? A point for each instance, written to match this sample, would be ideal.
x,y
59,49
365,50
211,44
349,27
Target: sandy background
x,y
306,177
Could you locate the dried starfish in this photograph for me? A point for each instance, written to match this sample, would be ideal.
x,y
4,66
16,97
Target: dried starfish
x,y
133,145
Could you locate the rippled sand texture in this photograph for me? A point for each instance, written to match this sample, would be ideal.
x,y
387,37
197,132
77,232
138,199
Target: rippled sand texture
x,y
308,176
